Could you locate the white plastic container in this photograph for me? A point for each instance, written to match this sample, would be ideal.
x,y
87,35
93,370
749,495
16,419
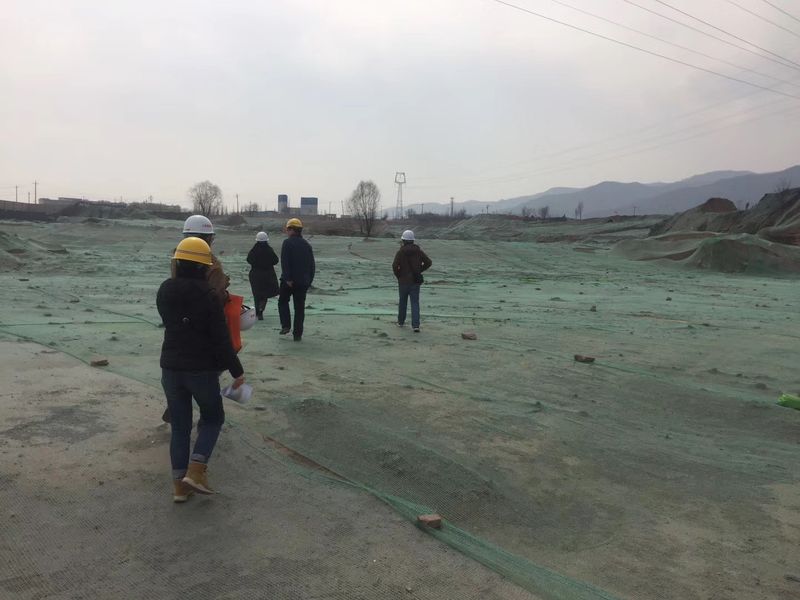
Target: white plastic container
x,y
240,395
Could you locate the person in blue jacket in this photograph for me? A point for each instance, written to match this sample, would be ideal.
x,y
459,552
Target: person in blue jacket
x,y
297,273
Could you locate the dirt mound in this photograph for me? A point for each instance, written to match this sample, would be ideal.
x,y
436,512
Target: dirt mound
x,y
715,214
738,253
745,253
776,217
674,247
16,251
762,239
717,205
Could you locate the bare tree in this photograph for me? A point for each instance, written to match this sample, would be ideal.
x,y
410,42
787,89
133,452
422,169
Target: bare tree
x,y
206,198
364,204
526,211
544,212
579,210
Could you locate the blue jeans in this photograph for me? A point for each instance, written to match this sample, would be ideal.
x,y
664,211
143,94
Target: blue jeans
x,y
406,290
180,387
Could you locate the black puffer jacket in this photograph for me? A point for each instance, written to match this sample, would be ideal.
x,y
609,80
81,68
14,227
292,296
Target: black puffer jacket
x,y
263,281
196,336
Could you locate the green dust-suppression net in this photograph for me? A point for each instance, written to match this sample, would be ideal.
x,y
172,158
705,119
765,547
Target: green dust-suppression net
x,y
506,438
534,578
526,574
378,451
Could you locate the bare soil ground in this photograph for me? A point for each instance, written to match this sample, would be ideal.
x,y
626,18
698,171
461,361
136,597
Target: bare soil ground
x,y
87,510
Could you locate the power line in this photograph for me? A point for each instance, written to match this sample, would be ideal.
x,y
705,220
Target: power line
x,y
766,20
658,146
628,149
633,134
778,8
650,148
662,40
733,35
713,37
644,50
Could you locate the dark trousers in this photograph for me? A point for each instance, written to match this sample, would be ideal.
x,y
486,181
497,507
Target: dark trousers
x,y
298,296
180,387
261,304
408,290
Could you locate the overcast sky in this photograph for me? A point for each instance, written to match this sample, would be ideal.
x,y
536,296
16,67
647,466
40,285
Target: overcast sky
x,y
470,98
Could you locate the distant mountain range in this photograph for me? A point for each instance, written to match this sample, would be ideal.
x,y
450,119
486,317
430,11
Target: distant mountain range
x,y
612,197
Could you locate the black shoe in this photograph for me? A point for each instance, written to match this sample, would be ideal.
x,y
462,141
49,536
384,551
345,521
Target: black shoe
x,y
416,329
166,417
259,317
297,338
285,330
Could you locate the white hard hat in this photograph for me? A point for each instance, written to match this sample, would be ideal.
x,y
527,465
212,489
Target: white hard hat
x,y
262,236
247,319
198,224
408,235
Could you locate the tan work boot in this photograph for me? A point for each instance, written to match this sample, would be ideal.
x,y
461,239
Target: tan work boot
x,y
180,491
197,478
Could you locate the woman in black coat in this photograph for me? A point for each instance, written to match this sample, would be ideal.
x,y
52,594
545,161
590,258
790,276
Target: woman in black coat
x,y
263,281
197,347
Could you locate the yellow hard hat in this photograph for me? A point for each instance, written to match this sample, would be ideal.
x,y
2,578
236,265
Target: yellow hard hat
x,y
193,249
294,222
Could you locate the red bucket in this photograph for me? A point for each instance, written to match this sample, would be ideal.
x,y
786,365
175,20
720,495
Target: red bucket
x,y
233,312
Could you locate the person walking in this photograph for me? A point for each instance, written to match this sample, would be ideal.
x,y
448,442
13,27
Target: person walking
x,y
201,227
263,281
409,263
197,347
297,273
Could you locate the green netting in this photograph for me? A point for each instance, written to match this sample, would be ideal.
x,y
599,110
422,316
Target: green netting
x,y
566,478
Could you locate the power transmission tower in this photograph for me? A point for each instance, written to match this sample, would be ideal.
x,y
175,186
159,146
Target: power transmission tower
x,y
35,183
400,180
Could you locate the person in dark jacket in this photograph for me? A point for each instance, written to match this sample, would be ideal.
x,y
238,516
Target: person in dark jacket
x,y
196,348
409,263
297,273
201,227
263,281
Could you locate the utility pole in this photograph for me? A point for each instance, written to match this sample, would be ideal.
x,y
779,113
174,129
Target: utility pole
x,y
634,211
400,180
29,197
451,207
422,210
16,193
237,204
35,183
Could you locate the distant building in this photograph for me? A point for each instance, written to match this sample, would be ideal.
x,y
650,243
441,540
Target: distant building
x,y
283,203
308,205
